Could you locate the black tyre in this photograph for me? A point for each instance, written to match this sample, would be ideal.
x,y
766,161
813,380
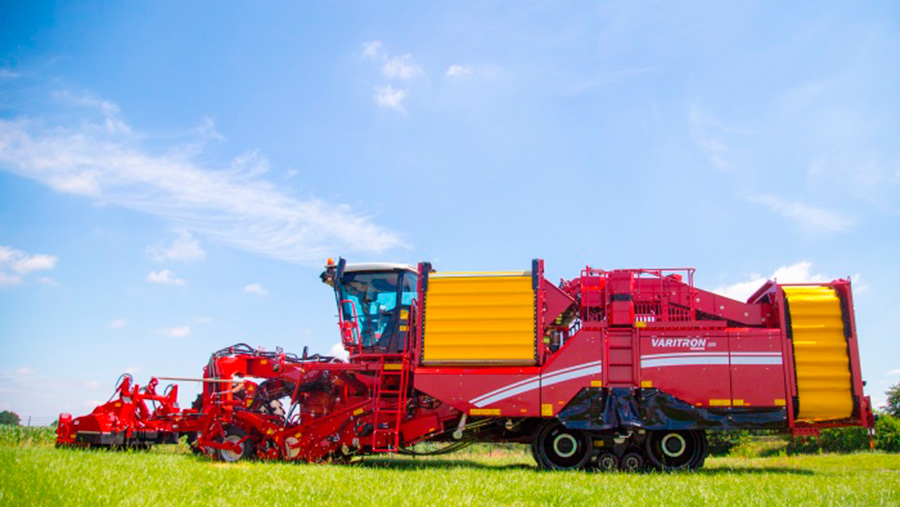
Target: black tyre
x,y
631,462
559,448
237,436
607,462
676,450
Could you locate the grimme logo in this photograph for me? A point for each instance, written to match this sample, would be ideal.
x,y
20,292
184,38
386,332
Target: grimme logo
x,y
694,343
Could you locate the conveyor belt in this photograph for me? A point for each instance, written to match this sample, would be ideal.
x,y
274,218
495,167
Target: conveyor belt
x,y
821,362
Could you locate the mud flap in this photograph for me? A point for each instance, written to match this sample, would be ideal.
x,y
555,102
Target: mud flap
x,y
603,409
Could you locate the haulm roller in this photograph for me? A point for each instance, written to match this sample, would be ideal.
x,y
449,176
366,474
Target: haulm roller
x,y
625,369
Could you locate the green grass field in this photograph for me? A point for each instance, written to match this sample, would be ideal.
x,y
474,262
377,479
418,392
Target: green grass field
x,y
33,472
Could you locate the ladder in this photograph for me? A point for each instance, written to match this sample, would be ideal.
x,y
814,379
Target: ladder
x,y
621,358
391,387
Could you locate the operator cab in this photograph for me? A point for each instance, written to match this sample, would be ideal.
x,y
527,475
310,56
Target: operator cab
x,y
374,301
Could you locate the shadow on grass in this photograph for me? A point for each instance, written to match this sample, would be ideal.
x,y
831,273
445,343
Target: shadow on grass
x,y
754,471
413,464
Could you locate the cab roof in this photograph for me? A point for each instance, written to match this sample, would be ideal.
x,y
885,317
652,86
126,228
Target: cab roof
x,y
379,266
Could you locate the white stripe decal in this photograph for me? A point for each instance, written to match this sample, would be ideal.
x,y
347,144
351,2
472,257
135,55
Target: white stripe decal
x,y
569,376
572,372
683,361
758,360
738,358
647,361
684,354
535,384
535,379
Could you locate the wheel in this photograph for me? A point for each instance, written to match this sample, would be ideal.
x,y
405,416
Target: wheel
x,y
631,462
607,462
559,448
676,450
236,435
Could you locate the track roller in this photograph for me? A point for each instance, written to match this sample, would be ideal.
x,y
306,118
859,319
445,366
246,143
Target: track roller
x,y
558,448
669,450
631,462
607,462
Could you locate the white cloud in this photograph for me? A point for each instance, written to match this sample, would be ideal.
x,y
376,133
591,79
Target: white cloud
x,y
132,369
809,217
185,247
458,70
25,371
110,111
37,262
895,372
46,280
372,49
15,264
794,273
178,332
90,384
233,204
337,350
7,279
255,288
9,74
387,97
708,132
165,277
118,323
401,67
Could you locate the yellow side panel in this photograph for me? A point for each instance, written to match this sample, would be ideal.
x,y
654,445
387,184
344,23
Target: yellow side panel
x,y
479,319
822,366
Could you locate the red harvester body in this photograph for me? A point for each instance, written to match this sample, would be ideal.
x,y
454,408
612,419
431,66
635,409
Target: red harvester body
x,y
613,369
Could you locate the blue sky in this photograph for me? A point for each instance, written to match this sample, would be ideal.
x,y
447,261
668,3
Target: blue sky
x,y
173,176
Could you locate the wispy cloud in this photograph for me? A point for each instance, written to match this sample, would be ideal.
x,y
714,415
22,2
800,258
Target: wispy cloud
x,y
401,67
46,280
389,98
185,247
9,74
800,272
23,371
118,323
233,204
706,132
809,217
178,332
372,49
165,277
458,70
255,288
396,67
16,264
895,372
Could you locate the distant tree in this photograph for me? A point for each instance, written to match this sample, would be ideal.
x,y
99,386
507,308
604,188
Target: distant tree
x,y
893,400
10,418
